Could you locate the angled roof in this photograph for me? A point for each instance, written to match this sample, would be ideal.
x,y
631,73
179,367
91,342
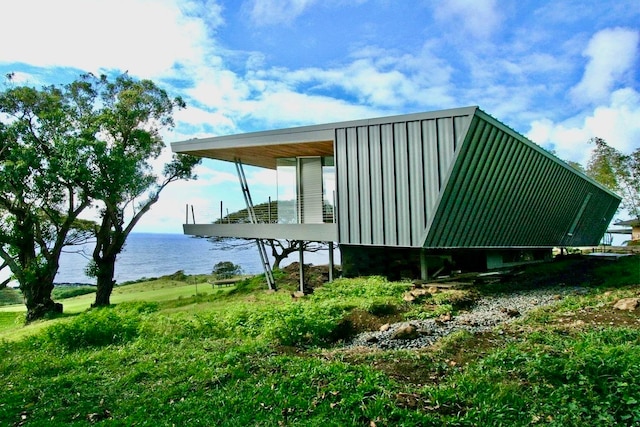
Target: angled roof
x,y
263,148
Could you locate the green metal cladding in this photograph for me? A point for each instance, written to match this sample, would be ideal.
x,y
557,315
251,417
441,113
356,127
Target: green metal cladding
x,y
461,179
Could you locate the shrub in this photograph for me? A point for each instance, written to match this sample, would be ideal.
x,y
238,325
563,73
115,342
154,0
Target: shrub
x,y
304,324
178,276
63,292
99,327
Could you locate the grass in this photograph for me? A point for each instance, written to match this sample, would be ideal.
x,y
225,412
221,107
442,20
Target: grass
x,y
242,356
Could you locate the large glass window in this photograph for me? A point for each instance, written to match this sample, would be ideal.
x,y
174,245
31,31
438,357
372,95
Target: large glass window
x,y
328,189
287,191
306,190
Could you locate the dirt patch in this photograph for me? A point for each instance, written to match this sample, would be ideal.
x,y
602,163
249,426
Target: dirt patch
x,y
600,316
315,276
362,320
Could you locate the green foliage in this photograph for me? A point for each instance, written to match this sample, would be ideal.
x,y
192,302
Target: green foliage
x,y
9,296
588,379
617,171
44,160
226,270
63,292
99,327
178,276
252,358
361,288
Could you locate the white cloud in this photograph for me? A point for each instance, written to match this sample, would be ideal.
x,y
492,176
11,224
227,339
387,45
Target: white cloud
x,y
270,12
290,108
612,53
479,18
618,123
144,37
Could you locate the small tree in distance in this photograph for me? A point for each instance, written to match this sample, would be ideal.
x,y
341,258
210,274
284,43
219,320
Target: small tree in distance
x,y
226,270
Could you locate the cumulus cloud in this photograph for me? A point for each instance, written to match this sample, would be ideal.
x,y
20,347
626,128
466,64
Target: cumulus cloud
x,y
618,123
143,36
479,18
613,58
271,12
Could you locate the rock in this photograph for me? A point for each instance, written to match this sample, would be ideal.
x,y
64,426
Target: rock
x,y
510,312
408,297
444,318
297,294
433,290
627,304
372,339
419,292
405,332
385,327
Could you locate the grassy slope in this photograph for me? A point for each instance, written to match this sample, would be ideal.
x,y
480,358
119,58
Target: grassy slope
x,y
241,356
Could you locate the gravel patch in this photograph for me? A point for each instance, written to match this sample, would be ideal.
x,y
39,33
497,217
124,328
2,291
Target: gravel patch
x,y
487,313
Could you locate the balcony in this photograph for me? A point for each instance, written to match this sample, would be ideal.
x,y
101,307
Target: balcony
x,y
275,220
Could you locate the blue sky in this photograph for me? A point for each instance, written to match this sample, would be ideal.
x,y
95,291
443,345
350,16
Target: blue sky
x,y
559,72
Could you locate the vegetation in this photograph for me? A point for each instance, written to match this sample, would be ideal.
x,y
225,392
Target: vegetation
x,y
244,356
226,270
44,187
64,148
617,171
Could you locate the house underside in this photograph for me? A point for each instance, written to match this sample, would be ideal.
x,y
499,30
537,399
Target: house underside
x,y
416,193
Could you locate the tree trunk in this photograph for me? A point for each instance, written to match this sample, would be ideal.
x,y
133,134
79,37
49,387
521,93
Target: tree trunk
x,y
37,298
105,283
36,284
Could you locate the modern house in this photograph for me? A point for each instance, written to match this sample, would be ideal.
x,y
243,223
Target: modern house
x,y
409,194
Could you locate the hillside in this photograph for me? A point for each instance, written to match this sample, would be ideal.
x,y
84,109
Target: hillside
x,y
240,355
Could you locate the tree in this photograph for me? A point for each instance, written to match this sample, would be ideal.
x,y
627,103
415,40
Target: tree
x,y
617,171
44,187
226,270
281,249
129,115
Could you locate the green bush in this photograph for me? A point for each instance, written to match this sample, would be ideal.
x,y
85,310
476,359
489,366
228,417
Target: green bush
x,y
63,292
99,327
304,324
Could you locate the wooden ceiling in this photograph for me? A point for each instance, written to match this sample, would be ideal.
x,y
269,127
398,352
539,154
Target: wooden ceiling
x,y
265,155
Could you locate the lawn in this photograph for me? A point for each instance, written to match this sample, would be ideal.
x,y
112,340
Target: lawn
x,y
239,356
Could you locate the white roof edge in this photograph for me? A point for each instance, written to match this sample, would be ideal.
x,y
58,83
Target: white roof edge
x,y
311,133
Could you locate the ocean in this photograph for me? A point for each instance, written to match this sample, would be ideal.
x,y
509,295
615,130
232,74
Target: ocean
x,y
149,255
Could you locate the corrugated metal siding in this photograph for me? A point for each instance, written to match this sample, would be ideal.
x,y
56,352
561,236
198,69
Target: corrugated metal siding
x,y
505,192
389,177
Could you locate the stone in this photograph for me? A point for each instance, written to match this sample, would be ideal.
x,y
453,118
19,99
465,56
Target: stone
x,y
510,312
419,292
297,294
408,297
385,327
627,304
372,339
444,318
405,332
433,290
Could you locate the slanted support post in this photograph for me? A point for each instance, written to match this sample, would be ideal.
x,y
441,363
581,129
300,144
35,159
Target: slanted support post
x,y
330,262
301,253
424,267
